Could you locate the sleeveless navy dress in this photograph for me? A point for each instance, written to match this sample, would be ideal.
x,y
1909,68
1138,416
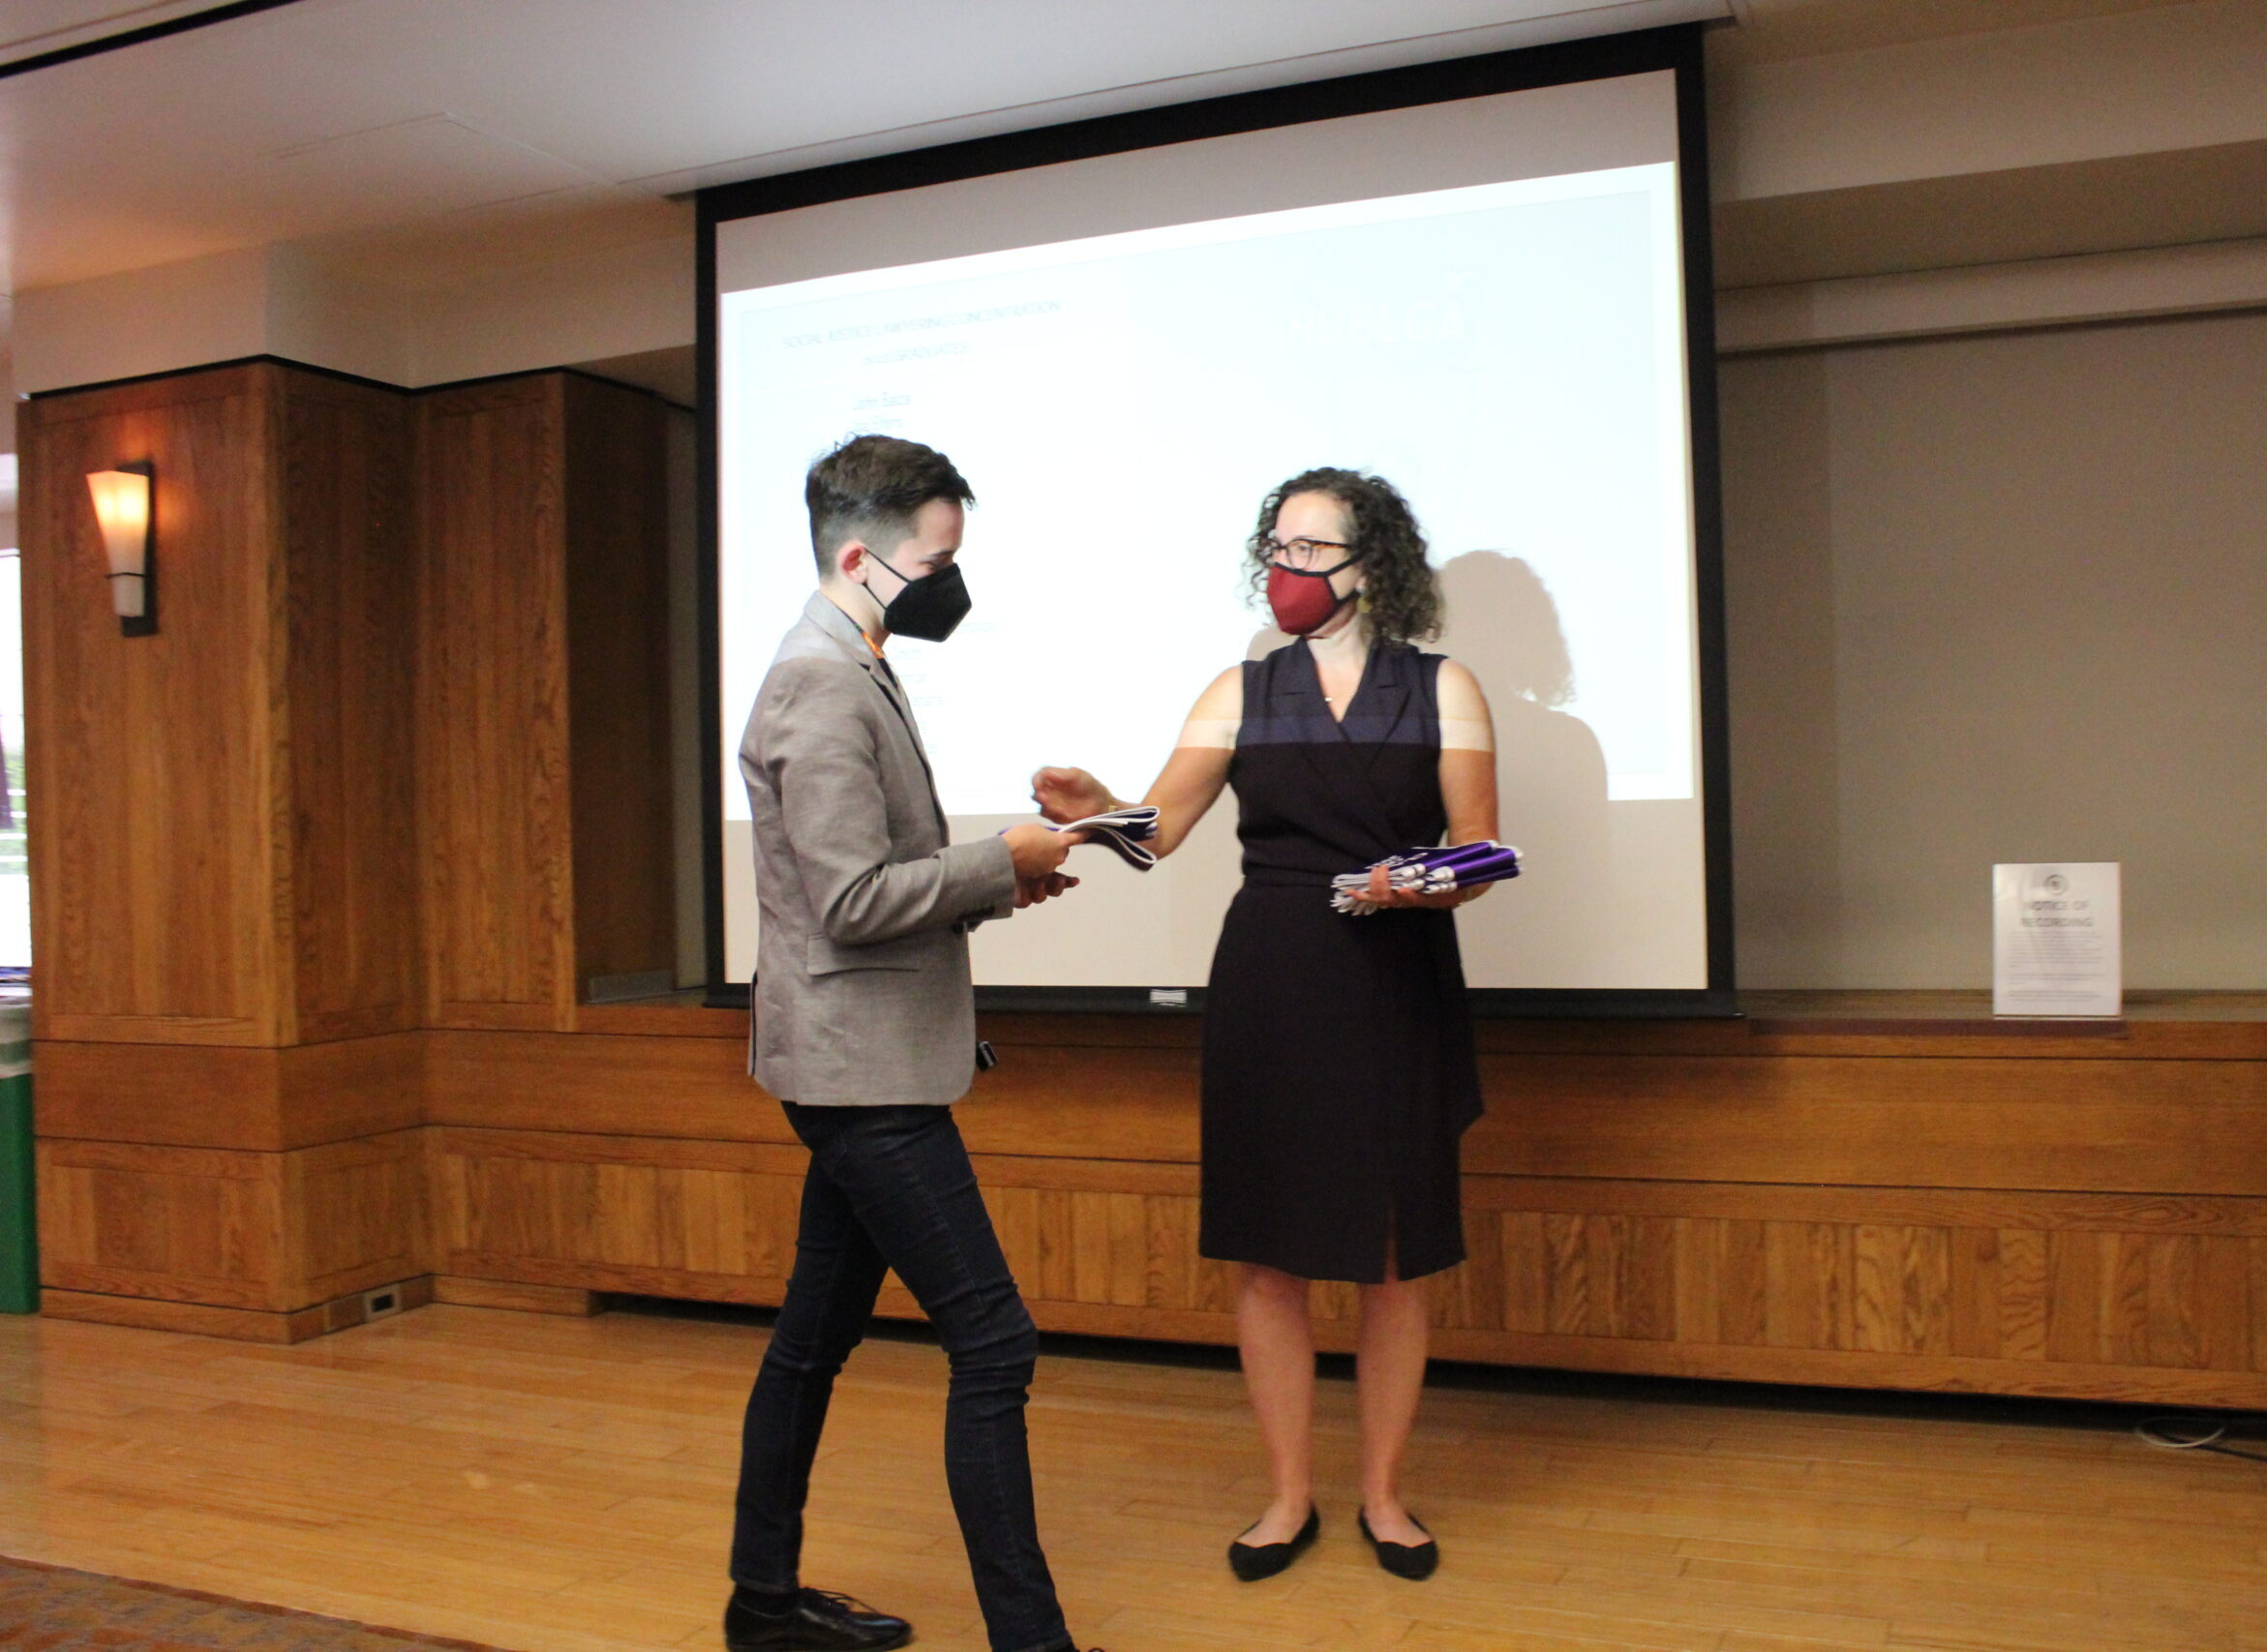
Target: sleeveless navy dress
x,y
1337,1066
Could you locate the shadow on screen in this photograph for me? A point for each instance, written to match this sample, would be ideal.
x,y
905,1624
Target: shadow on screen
x,y
1550,769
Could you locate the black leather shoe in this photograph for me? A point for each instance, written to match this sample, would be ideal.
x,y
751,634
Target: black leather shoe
x,y
1252,1561
1414,1561
813,1620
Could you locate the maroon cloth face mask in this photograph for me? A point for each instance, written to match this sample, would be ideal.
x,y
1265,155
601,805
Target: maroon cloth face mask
x,y
1302,599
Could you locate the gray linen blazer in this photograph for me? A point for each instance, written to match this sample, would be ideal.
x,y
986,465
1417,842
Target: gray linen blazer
x,y
861,994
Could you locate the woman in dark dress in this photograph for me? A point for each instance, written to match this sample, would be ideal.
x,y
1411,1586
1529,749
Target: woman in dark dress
x,y
1338,1068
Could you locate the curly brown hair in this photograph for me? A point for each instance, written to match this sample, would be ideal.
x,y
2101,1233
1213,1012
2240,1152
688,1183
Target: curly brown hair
x,y
1404,597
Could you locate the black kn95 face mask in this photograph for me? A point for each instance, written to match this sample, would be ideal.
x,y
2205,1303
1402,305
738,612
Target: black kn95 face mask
x,y
927,609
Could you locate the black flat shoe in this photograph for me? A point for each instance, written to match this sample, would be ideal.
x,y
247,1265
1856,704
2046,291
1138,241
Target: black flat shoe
x,y
1414,1561
1252,1561
813,1620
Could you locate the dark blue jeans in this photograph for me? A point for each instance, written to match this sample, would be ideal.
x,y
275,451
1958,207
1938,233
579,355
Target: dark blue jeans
x,y
892,1188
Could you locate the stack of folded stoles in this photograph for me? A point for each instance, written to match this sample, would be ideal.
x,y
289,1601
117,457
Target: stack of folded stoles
x,y
1124,832
1427,872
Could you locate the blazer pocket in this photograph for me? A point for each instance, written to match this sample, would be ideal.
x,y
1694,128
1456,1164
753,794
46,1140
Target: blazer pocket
x,y
831,957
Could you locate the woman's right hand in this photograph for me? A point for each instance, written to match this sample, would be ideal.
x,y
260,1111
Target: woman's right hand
x,y
1066,794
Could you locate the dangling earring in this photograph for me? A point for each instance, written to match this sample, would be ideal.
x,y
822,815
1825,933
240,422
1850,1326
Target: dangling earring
x,y
1361,602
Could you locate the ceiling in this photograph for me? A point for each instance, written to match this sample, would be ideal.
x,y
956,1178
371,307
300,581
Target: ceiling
x,y
424,138
1775,31
35,28
425,144
420,142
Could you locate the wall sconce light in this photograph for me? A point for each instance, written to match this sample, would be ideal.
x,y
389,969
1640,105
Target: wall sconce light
x,y
122,506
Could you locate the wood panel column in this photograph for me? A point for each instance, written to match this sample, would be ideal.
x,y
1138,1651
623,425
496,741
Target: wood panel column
x,y
223,857
543,718
543,701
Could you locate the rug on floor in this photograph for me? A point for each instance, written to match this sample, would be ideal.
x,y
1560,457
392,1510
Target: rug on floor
x,y
51,1608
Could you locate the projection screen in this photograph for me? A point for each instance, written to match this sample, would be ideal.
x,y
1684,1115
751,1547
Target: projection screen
x,y
1485,296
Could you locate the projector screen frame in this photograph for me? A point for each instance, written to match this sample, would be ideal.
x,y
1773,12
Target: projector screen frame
x,y
1677,49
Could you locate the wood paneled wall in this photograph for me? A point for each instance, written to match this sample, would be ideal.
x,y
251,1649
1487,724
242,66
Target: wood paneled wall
x,y
344,715
223,840
543,697
161,847
260,1101
618,683
226,854
492,702
270,1231
1878,1209
2093,1296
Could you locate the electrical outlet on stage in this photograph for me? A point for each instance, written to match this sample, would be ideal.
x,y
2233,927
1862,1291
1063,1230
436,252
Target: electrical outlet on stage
x,y
382,1302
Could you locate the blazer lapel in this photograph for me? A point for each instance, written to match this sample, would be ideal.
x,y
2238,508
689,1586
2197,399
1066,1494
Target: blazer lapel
x,y
838,629
892,689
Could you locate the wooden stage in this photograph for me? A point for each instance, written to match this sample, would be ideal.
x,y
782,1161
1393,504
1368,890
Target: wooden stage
x,y
558,1485
1869,1191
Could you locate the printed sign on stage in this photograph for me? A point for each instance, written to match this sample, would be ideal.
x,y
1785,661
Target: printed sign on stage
x,y
2055,939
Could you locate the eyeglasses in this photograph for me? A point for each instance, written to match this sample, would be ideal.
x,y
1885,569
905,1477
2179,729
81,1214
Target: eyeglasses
x,y
1303,555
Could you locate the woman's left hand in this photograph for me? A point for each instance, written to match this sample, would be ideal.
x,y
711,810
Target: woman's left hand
x,y
1383,894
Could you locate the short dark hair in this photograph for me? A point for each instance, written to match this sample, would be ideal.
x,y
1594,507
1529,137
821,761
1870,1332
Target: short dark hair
x,y
1403,598
870,487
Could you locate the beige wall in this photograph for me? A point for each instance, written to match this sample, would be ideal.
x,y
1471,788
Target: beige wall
x,y
277,300
1999,598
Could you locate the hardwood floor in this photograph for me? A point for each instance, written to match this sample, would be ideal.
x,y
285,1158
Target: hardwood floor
x,y
543,1484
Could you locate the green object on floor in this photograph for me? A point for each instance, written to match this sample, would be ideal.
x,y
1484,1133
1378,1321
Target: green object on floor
x,y
19,1242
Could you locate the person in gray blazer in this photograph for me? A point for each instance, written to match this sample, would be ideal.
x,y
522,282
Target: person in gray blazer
x,y
864,1026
